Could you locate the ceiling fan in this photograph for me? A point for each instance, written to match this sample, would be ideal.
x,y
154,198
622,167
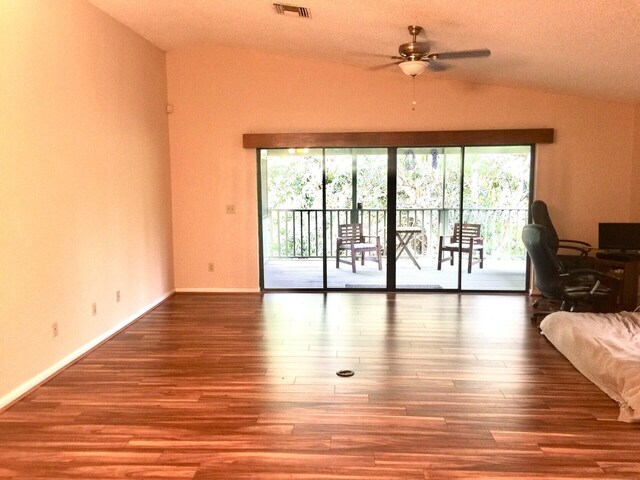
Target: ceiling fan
x,y
415,57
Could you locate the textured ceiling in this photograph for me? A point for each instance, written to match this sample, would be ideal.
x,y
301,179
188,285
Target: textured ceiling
x,y
584,47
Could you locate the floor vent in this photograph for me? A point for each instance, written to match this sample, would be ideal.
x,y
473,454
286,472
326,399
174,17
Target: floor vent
x,y
292,10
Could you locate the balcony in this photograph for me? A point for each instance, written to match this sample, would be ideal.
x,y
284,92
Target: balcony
x,y
293,249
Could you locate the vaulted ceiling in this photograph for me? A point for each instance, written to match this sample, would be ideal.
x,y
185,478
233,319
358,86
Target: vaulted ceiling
x,y
583,47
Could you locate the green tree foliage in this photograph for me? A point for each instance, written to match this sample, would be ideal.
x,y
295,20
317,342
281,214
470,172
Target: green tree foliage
x,y
294,182
495,188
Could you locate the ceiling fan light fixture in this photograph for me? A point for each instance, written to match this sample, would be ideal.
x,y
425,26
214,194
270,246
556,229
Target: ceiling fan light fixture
x,y
413,67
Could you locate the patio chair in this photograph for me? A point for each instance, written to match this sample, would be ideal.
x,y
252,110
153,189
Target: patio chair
x,y
351,240
466,237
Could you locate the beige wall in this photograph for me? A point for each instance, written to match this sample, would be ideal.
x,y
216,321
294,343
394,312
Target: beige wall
x,y
220,93
635,174
84,182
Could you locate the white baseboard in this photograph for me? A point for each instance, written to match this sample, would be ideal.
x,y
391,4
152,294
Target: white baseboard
x,y
217,290
43,376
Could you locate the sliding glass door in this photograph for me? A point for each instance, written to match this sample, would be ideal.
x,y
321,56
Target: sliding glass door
x,y
496,197
291,218
356,186
441,245
428,205
454,224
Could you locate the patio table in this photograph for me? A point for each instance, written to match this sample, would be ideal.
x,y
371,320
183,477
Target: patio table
x,y
405,235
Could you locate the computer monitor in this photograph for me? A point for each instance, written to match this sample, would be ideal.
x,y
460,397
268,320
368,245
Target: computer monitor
x,y
619,236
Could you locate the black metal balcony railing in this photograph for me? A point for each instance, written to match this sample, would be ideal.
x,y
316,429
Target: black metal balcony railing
x,y
297,233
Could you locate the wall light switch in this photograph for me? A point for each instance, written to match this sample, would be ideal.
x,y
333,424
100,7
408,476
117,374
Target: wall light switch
x,y
231,209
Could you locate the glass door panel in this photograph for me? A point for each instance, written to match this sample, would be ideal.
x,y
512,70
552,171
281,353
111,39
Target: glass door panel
x,y
307,194
496,197
291,218
428,205
356,193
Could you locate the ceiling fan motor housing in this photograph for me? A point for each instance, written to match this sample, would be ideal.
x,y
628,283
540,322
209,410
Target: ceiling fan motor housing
x,y
413,50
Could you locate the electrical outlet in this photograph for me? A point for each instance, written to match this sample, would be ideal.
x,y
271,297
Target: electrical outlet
x,y
117,295
210,267
231,209
94,309
54,329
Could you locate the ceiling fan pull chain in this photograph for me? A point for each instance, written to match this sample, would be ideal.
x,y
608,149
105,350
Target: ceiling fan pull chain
x,y
413,103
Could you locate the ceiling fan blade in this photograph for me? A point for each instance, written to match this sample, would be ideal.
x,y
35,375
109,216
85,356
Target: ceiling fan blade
x,y
375,55
435,66
461,54
386,65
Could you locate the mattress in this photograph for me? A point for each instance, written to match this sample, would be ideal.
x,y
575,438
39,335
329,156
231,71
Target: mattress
x,y
605,348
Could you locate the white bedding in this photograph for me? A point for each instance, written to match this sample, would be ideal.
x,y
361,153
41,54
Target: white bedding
x,y
605,348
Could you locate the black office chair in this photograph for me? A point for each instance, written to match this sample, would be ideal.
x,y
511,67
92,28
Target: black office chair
x,y
572,289
578,259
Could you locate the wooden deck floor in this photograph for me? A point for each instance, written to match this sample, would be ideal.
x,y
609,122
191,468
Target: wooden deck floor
x,y
497,275
244,387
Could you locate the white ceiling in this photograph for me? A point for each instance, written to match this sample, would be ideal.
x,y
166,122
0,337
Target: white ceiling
x,y
585,47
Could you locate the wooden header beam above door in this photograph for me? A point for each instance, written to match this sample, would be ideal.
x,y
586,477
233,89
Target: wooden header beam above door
x,y
444,138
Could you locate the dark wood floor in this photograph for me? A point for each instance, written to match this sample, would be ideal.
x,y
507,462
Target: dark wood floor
x,y
244,386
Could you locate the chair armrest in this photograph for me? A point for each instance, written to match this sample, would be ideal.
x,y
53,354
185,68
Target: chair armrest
x,y
377,237
586,277
583,251
583,271
583,247
575,241
576,272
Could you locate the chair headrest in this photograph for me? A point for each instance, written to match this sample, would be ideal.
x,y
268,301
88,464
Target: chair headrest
x,y
540,216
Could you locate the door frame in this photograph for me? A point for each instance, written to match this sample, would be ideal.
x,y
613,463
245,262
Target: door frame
x,y
392,141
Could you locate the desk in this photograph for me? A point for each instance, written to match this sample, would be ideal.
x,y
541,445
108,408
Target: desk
x,y
623,278
405,235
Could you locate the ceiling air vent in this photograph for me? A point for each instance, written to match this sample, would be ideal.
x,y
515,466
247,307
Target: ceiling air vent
x,y
292,10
